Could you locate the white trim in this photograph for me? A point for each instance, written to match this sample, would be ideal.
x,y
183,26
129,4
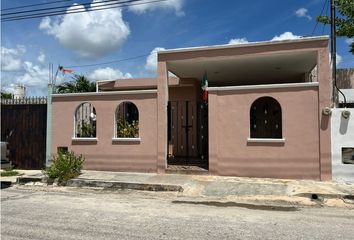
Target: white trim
x,y
126,139
99,81
263,86
266,140
84,139
228,46
106,93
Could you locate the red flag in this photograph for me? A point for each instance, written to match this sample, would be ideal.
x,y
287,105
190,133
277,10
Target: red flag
x,y
61,68
67,70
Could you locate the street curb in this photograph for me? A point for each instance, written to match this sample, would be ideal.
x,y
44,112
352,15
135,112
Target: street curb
x,y
124,185
321,196
24,180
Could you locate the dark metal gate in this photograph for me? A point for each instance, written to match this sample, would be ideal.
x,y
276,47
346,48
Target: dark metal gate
x,y
188,133
23,125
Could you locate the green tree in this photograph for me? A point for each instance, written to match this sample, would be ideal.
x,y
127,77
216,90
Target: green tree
x,y
344,22
6,95
79,84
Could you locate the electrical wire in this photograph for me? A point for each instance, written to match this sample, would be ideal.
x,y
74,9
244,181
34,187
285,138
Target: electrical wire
x,y
114,61
324,25
323,7
60,12
32,5
97,8
86,4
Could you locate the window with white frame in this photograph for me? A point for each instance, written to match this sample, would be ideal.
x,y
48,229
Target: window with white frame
x,y
127,120
265,118
85,121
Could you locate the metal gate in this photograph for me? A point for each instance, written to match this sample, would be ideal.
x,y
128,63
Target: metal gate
x,y
188,133
23,125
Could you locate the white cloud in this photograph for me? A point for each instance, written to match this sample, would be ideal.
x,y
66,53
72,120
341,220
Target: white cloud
x,y
238,41
175,5
33,77
41,58
349,40
151,60
285,36
108,74
303,12
90,34
339,59
11,58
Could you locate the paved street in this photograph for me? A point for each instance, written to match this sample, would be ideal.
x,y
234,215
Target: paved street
x,y
89,214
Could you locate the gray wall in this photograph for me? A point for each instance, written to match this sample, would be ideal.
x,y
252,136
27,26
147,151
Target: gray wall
x,y
342,136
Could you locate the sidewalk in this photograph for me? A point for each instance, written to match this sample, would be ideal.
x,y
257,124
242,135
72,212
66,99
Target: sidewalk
x,y
210,188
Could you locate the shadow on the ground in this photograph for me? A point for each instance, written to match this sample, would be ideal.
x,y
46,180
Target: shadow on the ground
x,y
5,184
243,205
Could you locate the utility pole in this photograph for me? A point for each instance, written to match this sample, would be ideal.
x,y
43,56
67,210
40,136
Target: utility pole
x,y
49,117
334,53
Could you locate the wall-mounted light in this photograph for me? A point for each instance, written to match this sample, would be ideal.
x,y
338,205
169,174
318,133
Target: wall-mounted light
x,y
327,111
346,114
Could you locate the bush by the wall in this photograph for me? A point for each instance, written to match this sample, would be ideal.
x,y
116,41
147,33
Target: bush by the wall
x,y
65,166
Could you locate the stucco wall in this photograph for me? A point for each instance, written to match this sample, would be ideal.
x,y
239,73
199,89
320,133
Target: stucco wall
x,y
191,92
342,136
230,153
106,154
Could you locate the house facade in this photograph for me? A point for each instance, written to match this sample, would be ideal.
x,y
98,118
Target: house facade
x,y
253,110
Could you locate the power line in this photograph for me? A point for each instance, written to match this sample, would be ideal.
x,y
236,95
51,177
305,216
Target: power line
x,y
60,12
323,7
32,5
66,6
327,15
97,8
114,61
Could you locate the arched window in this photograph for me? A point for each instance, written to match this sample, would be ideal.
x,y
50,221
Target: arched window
x,y
85,121
265,118
127,120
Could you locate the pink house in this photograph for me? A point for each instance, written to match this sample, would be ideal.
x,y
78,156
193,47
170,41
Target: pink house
x,y
260,113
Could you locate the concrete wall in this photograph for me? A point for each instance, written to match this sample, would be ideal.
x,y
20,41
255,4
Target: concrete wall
x,y
342,136
185,92
345,78
230,152
106,153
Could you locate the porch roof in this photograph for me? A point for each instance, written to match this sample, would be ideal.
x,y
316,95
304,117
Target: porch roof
x,y
246,64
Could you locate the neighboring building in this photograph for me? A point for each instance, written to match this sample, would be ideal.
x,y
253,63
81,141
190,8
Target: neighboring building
x,y
343,129
20,92
263,116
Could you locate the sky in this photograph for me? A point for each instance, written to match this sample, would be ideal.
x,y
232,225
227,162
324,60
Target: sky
x,y
137,32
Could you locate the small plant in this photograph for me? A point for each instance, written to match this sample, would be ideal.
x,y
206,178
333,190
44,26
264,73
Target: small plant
x,y
126,129
87,129
65,166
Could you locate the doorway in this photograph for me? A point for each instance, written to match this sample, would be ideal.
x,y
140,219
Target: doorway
x,y
188,133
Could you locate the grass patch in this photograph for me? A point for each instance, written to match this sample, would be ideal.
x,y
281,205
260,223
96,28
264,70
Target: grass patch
x,y
9,173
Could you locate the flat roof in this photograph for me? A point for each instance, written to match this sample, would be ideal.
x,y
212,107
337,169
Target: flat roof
x,y
249,44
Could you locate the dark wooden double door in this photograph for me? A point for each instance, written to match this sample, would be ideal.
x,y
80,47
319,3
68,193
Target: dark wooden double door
x,y
188,133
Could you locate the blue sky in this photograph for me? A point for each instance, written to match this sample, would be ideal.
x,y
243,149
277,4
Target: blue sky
x,y
28,46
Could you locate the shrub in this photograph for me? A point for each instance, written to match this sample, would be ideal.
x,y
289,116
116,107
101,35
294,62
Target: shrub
x,y
65,166
126,129
87,129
